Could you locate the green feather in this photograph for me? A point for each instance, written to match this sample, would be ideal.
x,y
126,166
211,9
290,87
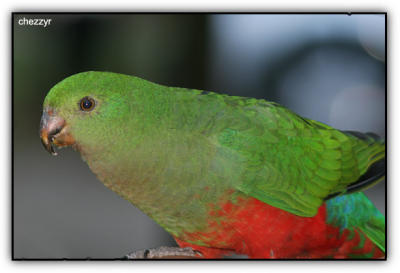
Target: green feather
x,y
161,147
355,211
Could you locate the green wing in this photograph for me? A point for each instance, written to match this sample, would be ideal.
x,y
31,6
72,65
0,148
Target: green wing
x,y
291,162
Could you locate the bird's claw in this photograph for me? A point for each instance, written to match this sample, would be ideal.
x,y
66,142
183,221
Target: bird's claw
x,y
165,253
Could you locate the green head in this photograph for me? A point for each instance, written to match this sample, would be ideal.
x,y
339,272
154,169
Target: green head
x,y
89,109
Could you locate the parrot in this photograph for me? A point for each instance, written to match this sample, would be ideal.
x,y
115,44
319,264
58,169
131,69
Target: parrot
x,y
222,174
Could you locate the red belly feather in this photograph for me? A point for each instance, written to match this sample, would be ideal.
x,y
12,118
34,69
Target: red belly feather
x,y
259,230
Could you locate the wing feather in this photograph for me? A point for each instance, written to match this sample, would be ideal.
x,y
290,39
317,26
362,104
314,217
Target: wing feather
x,y
295,163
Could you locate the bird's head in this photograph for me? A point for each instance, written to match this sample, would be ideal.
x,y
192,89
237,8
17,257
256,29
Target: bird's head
x,y
85,110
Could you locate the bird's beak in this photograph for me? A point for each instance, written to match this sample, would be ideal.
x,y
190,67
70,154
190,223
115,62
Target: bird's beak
x,y
53,131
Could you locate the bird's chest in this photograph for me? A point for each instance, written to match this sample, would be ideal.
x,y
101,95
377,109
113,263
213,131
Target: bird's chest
x,y
173,182
171,195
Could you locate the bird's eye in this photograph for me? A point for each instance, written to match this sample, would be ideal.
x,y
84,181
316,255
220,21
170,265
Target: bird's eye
x,y
87,104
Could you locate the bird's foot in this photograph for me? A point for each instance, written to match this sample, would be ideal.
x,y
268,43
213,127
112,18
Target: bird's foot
x,y
165,252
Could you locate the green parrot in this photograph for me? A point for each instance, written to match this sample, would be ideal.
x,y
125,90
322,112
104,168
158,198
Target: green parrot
x,y
223,174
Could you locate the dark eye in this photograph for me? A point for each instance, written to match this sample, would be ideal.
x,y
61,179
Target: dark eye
x,y
87,104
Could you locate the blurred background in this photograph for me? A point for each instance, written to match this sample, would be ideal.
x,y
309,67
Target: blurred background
x,y
330,68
